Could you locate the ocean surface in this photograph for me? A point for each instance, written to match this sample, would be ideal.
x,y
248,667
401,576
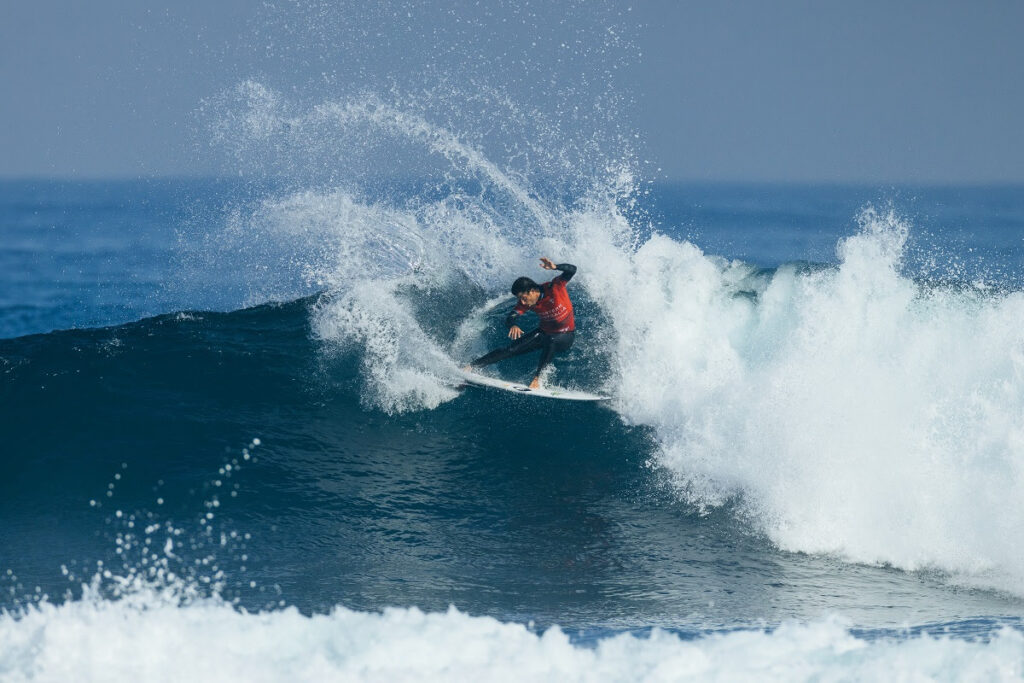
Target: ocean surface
x,y
231,426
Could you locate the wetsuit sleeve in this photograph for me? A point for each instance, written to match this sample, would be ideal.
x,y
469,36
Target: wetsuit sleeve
x,y
568,270
511,318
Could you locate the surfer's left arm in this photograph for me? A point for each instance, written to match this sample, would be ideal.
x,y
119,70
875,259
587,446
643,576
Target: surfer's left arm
x,y
568,269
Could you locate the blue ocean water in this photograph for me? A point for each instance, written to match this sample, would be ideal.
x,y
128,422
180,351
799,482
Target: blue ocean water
x,y
231,408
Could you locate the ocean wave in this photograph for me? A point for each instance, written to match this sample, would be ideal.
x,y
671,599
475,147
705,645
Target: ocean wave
x,y
849,410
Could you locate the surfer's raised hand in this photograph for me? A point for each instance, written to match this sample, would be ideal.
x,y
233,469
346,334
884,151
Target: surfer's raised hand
x,y
547,264
515,332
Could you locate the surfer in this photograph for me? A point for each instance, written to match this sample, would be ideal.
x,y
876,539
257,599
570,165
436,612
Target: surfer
x,y
550,301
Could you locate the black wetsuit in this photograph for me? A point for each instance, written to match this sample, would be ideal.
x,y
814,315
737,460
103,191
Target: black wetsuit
x,y
557,330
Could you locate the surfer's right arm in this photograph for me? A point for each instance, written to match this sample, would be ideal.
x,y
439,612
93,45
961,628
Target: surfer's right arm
x,y
514,331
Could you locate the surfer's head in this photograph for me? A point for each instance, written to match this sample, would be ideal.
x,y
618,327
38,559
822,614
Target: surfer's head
x,y
526,290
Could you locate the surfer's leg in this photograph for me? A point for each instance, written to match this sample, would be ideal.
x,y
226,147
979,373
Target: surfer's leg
x,y
554,343
531,341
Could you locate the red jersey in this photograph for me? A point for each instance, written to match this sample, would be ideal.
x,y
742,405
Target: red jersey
x,y
554,307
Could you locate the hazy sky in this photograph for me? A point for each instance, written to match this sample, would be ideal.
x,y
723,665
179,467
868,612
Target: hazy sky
x,y
861,91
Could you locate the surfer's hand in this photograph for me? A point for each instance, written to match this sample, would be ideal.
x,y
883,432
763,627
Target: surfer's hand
x,y
547,264
515,332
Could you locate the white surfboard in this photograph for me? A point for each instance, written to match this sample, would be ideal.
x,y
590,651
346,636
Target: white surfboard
x,y
545,391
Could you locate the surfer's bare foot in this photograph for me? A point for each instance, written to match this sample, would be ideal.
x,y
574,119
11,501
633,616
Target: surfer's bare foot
x,y
535,384
467,368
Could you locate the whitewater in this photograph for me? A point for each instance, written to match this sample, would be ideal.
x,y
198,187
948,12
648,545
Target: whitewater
x,y
103,641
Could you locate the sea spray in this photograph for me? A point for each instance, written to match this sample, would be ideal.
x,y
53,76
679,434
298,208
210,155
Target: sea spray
x,y
158,560
475,227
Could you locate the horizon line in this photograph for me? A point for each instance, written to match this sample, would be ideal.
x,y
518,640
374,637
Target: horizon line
x,y
682,180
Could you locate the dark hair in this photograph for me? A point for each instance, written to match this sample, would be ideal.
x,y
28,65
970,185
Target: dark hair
x,y
523,284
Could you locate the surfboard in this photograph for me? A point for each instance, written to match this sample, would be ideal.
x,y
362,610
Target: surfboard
x,y
544,391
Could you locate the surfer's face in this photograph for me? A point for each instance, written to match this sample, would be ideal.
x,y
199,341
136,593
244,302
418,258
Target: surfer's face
x,y
529,298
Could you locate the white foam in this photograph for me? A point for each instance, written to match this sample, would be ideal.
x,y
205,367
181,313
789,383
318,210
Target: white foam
x,y
98,640
851,410
379,254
